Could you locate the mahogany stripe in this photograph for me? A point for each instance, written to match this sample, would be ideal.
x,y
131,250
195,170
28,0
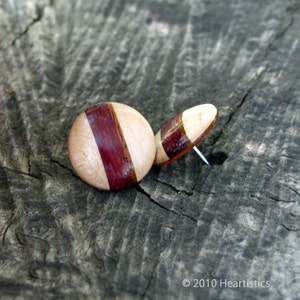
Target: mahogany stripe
x,y
174,138
112,145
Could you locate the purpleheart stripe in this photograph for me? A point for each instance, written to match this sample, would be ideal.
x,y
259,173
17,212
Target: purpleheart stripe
x,y
174,138
112,145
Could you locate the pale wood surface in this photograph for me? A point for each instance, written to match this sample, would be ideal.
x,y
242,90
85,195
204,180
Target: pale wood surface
x,y
238,220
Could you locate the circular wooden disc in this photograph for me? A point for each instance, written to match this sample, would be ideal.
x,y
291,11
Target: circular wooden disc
x,y
181,133
111,146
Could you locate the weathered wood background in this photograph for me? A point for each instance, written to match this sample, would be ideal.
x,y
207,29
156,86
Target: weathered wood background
x,y
237,220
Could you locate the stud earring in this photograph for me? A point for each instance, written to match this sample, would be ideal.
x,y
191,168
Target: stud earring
x,y
180,134
111,146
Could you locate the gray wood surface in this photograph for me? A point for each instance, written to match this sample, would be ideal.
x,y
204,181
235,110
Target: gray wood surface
x,y
237,221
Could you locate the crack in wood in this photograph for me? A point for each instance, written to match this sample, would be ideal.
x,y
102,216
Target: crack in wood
x,y
232,114
63,166
240,104
19,172
142,191
180,214
179,191
278,199
39,15
288,228
150,279
280,34
237,107
292,189
10,222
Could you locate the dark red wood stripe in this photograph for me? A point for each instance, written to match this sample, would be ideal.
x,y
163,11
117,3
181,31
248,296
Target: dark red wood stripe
x,y
112,145
174,138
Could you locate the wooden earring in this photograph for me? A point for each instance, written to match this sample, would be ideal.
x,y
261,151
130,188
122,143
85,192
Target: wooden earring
x,y
111,146
180,134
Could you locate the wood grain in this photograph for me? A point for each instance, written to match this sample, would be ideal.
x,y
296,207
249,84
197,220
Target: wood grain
x,y
238,220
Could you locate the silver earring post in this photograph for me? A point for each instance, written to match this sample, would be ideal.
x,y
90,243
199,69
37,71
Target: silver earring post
x,y
201,155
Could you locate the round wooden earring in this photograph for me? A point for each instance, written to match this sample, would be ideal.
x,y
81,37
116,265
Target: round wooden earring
x,y
180,134
111,146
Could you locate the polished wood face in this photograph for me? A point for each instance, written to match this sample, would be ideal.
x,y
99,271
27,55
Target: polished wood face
x,y
111,146
182,132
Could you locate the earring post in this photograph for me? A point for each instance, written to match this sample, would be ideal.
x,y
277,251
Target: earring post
x,y
201,155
